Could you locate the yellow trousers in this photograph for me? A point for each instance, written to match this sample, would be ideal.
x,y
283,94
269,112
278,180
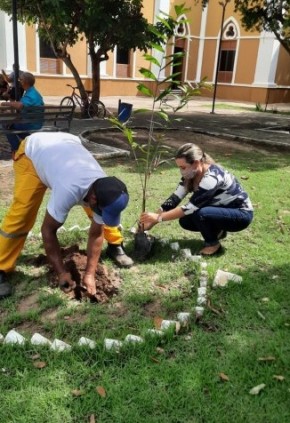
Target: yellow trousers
x,y
20,218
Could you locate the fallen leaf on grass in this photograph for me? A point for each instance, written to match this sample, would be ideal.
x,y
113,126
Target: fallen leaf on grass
x,y
160,350
224,377
213,309
268,358
261,315
257,389
92,419
155,360
35,356
39,364
157,322
279,377
77,392
244,177
101,391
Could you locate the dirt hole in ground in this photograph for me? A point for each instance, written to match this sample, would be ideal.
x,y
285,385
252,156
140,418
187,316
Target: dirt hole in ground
x,y
107,281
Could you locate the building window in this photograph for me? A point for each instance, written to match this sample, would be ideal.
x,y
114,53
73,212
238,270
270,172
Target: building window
x,y
49,63
230,31
227,60
123,68
228,53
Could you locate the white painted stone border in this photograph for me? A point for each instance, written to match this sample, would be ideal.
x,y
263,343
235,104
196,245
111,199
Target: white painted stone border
x,y
183,318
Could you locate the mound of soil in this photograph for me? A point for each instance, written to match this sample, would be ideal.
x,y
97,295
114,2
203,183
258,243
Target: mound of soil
x,y
107,282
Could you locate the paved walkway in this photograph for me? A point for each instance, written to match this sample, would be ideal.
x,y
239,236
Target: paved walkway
x,y
237,122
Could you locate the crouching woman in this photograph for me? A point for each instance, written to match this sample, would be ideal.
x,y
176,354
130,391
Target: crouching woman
x,y
218,204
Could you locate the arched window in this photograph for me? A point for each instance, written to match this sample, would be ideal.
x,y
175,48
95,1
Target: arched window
x,y
180,32
228,53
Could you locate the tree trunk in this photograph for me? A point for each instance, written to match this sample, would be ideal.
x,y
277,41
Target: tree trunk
x,y
68,62
96,58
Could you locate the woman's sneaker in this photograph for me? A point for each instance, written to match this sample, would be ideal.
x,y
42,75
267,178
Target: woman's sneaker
x,y
210,250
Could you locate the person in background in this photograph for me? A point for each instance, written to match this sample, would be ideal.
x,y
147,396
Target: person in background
x,y
58,161
10,93
218,204
4,86
31,97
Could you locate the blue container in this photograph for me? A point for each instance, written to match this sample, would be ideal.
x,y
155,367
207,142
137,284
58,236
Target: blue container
x,y
124,111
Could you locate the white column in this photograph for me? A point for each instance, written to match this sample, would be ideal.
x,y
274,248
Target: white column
x,y
160,6
201,44
6,43
267,60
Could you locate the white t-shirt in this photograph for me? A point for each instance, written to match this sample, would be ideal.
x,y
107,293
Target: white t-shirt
x,y
65,166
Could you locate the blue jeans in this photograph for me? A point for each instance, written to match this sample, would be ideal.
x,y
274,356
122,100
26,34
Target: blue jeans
x,y
15,139
209,221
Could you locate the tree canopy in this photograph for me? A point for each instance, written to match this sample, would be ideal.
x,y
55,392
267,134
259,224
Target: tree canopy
x,y
104,24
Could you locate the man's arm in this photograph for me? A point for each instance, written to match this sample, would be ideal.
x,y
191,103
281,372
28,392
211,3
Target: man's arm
x,y
5,76
18,105
94,248
53,252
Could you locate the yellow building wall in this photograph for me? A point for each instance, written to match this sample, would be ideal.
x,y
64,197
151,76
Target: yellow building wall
x,y
208,62
283,68
31,48
79,56
246,61
110,85
192,60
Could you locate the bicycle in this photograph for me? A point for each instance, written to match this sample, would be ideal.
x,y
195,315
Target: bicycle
x,y
95,109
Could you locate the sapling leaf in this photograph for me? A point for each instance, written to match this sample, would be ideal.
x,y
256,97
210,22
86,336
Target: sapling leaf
x,y
142,111
152,59
145,90
158,47
148,74
165,22
180,9
163,115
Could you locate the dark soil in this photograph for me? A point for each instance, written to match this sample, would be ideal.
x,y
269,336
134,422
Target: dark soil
x,y
175,138
107,284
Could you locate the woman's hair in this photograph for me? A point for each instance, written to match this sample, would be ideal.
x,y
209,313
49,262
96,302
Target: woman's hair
x,y
190,153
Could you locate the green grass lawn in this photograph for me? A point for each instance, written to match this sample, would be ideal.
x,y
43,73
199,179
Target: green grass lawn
x,y
244,334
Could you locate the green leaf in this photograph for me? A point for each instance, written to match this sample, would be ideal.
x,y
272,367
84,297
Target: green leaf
x,y
165,22
142,111
157,47
163,115
180,9
145,90
148,74
152,59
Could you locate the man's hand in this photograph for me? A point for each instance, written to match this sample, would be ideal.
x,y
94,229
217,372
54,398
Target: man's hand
x,y
66,283
89,283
